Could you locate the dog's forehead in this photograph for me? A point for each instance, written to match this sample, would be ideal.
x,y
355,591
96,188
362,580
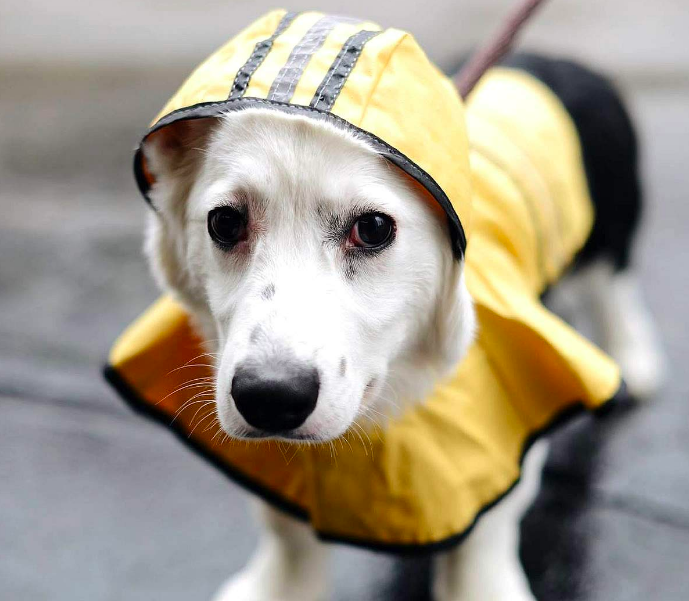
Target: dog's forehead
x,y
271,154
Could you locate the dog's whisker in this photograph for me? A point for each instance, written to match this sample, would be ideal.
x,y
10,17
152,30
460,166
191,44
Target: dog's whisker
x,y
371,413
294,454
204,402
376,423
209,391
205,417
209,386
190,403
191,421
214,424
190,366
391,394
217,438
190,384
205,379
333,452
345,438
282,451
356,429
206,354
198,395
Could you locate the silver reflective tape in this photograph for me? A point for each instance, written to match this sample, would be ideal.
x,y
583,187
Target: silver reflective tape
x,y
288,78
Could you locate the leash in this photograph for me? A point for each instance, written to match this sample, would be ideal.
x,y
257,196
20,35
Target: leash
x,y
496,47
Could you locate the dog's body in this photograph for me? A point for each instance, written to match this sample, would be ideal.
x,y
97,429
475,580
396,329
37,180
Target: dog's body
x,y
296,304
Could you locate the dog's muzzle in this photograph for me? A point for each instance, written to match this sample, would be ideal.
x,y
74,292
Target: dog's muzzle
x,y
276,398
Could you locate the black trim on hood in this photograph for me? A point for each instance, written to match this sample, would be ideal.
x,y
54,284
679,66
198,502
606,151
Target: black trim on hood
x,y
216,109
619,400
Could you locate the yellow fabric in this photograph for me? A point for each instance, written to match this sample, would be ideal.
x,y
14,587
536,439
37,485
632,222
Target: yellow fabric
x,y
425,477
393,82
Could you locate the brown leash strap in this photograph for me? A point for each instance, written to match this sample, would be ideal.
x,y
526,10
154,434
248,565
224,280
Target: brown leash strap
x,y
497,47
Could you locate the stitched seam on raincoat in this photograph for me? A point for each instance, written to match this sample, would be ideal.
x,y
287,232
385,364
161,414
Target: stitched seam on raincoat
x,y
530,208
301,55
355,43
554,99
380,76
551,209
261,50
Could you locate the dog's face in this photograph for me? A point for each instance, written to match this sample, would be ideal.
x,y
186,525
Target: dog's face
x,y
321,276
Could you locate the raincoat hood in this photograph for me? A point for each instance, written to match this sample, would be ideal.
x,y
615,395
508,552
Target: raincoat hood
x,y
512,160
352,73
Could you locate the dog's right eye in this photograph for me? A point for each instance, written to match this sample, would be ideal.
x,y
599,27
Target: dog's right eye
x,y
227,226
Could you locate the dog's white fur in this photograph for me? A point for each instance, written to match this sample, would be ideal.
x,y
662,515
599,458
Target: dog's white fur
x,y
398,321
401,322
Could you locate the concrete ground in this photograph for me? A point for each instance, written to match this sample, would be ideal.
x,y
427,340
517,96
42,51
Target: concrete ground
x,y
98,504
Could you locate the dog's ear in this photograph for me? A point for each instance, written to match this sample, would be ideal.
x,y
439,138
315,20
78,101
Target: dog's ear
x,y
172,161
172,154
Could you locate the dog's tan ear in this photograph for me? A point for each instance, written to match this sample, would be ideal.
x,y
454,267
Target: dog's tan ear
x,y
175,150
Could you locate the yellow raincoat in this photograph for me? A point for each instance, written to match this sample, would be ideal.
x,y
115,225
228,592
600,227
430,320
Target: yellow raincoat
x,y
508,172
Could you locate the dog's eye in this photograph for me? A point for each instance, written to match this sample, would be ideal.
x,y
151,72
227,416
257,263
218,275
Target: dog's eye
x,y
372,230
227,226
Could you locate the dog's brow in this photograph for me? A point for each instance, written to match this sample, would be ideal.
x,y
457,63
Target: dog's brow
x,y
338,220
234,198
240,198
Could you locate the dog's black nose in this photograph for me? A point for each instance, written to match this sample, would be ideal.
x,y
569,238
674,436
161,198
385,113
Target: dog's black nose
x,y
275,399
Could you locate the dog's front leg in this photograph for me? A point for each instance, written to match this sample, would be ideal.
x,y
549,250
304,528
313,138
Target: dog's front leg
x,y
290,563
486,566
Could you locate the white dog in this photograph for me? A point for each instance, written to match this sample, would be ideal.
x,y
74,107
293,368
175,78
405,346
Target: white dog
x,y
278,307
328,287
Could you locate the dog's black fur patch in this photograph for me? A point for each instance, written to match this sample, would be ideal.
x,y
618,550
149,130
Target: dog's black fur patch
x,y
610,151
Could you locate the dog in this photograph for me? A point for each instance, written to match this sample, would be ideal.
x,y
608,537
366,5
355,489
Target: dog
x,y
332,298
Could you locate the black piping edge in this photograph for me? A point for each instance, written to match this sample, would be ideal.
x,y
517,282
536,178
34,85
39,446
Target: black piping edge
x,y
205,110
152,412
620,398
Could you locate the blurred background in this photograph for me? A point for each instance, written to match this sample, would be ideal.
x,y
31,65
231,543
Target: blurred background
x,y
96,503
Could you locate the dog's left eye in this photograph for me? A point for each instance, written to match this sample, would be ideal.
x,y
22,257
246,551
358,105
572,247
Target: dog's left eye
x,y
372,230
227,226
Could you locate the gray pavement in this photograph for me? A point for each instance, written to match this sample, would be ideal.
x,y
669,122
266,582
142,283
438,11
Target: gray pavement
x,y
96,503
